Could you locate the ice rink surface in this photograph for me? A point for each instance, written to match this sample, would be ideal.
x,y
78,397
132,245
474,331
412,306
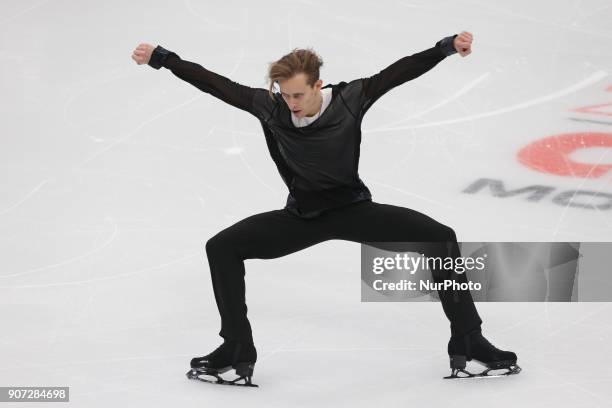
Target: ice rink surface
x,y
115,175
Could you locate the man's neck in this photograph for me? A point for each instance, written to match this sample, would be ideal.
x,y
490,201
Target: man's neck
x,y
320,104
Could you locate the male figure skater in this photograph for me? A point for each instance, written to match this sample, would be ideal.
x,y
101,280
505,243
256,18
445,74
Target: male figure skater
x,y
313,134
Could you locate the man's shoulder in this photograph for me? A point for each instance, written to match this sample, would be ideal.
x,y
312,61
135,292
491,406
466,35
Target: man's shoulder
x,y
350,85
342,84
351,92
348,93
265,103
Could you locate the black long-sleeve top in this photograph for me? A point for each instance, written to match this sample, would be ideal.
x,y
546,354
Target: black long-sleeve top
x,y
318,162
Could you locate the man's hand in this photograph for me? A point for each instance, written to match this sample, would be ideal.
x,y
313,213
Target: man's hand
x,y
463,43
142,53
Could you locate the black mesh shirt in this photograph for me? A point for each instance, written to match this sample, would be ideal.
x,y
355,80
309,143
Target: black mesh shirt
x,y
318,162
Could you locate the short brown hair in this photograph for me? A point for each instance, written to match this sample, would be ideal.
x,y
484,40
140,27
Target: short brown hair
x,y
299,60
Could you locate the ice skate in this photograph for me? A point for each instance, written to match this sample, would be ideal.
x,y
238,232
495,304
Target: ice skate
x,y
230,355
474,346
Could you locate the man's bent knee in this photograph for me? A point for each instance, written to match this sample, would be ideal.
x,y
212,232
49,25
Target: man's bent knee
x,y
447,234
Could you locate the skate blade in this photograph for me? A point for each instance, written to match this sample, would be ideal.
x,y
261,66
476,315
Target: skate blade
x,y
195,374
512,370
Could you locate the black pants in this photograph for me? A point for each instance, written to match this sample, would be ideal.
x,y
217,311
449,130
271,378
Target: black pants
x,y
278,233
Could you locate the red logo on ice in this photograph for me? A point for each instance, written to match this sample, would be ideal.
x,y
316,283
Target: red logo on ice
x,y
552,154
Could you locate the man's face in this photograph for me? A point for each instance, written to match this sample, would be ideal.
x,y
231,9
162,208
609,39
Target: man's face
x,y
302,99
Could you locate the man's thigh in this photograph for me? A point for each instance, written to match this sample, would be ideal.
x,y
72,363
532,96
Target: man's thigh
x,y
376,222
271,234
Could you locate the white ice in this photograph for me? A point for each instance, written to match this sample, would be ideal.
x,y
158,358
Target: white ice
x,y
115,175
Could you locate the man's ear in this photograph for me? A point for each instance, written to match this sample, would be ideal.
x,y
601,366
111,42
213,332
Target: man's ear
x,y
318,85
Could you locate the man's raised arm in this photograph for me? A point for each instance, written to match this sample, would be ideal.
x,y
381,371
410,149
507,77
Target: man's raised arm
x,y
410,67
235,94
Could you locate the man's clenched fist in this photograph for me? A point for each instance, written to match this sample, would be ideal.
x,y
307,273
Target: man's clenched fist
x,y
463,43
142,53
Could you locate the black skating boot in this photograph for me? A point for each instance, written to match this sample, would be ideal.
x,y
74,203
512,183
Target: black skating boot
x,y
229,355
474,346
